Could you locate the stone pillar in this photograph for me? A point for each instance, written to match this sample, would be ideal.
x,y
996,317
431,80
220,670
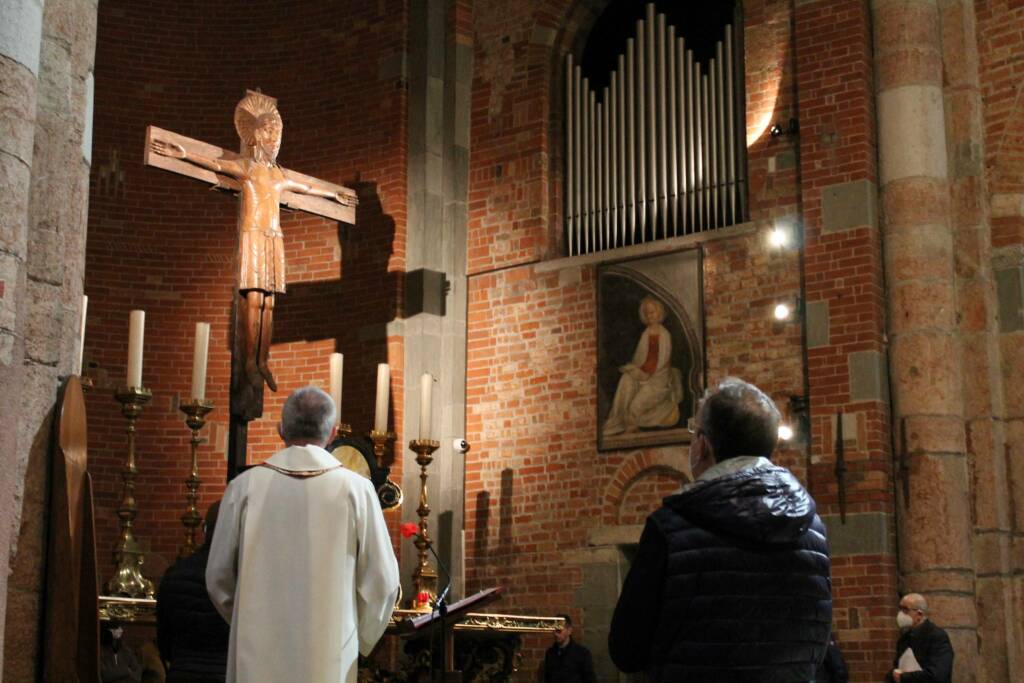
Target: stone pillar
x,y
439,73
20,36
999,616
53,141
925,355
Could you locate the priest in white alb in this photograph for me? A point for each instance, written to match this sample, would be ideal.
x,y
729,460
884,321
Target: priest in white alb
x,y
301,562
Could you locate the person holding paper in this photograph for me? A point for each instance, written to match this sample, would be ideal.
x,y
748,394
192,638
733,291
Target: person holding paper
x,y
301,562
923,651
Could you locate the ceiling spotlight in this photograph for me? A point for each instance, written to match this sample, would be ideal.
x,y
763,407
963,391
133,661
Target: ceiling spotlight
x,y
782,312
785,432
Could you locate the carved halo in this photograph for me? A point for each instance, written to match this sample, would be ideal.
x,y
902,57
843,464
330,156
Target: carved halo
x,y
251,113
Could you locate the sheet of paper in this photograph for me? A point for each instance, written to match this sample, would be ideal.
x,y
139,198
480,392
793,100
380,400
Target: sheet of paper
x,y
908,662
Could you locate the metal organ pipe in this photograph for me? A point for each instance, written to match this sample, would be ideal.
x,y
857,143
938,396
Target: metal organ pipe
x,y
661,154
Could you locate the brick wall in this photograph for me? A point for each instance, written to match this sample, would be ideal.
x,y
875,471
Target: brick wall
x,y
167,244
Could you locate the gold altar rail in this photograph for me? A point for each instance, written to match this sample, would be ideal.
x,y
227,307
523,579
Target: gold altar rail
x,y
132,610
482,621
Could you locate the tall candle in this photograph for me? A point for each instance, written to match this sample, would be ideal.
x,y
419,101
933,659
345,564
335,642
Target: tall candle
x,y
136,325
380,420
81,336
337,364
199,355
426,386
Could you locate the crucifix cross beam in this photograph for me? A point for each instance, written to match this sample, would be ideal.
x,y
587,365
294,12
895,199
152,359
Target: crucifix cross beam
x,y
344,212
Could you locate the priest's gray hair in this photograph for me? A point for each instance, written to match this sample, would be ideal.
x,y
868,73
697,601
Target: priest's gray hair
x,y
308,415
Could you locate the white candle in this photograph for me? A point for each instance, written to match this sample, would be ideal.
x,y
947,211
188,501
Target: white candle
x,y
337,364
81,336
380,421
426,382
136,325
199,355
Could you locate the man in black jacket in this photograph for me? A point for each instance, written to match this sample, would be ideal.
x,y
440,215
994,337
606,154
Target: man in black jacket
x,y
923,652
566,661
191,634
731,578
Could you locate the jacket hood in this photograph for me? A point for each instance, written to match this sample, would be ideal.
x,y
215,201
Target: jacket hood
x,y
765,504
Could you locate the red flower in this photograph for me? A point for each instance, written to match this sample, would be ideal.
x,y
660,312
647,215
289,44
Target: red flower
x,y
409,529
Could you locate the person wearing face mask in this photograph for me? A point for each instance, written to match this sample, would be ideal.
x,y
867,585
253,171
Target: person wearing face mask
x,y
731,580
923,651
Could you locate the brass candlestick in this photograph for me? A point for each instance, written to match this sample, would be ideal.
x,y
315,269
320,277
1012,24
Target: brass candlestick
x,y
424,577
128,579
195,418
389,493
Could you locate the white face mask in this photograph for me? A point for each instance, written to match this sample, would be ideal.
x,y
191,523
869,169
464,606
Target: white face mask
x,y
904,621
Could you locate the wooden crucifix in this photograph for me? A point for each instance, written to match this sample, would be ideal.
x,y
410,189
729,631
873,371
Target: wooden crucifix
x,y
263,187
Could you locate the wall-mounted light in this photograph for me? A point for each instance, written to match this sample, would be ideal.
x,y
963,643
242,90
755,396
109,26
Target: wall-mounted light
x,y
785,432
782,312
779,128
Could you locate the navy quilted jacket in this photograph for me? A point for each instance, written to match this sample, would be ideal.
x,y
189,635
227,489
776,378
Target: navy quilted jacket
x,y
730,583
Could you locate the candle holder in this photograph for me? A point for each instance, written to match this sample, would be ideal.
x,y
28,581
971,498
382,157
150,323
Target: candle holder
x,y
389,493
424,577
195,418
128,579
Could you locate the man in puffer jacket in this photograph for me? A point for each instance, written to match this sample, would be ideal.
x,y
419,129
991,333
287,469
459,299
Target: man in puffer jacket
x,y
192,635
731,579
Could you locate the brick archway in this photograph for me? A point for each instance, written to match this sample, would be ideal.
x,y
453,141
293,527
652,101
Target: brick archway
x,y
635,468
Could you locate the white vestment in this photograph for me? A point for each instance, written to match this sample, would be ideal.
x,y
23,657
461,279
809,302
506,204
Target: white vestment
x,y
642,399
303,569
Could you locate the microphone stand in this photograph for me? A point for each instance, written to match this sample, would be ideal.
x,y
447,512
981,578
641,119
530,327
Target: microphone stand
x,y
440,604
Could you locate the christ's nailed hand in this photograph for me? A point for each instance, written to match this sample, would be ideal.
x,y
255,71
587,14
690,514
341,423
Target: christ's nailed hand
x,y
168,149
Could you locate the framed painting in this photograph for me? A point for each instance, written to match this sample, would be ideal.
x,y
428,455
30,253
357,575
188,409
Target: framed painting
x,y
650,349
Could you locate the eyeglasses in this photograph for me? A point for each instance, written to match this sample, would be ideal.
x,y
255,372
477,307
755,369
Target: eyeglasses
x,y
908,610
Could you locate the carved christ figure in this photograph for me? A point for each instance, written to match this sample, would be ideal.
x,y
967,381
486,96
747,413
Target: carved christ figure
x,y
262,183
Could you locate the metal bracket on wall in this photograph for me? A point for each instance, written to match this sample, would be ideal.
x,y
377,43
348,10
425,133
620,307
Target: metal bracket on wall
x,y
841,466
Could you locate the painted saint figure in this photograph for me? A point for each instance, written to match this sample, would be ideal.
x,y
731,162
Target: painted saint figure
x,y
261,245
650,389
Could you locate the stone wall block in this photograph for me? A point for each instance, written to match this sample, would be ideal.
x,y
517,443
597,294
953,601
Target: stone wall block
x,y
21,644
992,553
17,109
969,246
993,615
935,434
989,475
911,119
978,352
921,304
910,65
965,645
918,253
14,184
959,45
939,524
913,202
964,131
12,275
900,22
972,306
1015,475
926,382
42,331
46,249
952,611
931,582
1011,351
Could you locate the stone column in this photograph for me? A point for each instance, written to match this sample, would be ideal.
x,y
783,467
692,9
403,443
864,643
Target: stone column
x,y
20,36
999,616
56,148
925,355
